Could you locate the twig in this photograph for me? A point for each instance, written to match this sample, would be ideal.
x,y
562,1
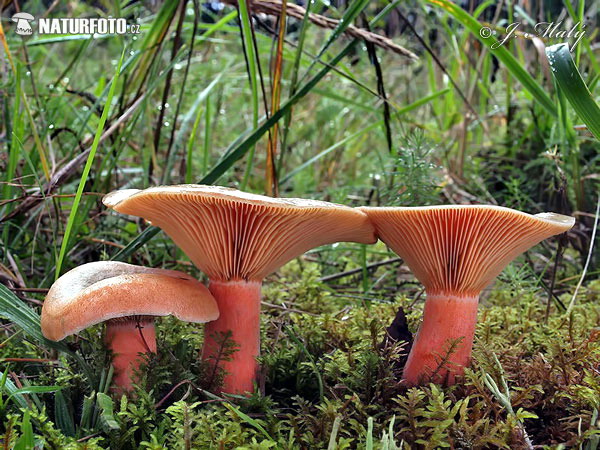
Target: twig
x,y
28,360
504,398
159,404
273,8
589,258
285,308
557,258
139,326
347,273
38,290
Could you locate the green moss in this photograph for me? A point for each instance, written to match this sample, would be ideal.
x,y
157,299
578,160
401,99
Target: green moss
x,y
314,344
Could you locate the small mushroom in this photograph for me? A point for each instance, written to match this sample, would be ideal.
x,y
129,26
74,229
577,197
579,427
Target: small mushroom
x,y
22,19
456,251
237,239
127,297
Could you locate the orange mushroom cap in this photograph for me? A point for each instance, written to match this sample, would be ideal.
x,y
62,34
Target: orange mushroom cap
x,y
459,250
99,291
234,235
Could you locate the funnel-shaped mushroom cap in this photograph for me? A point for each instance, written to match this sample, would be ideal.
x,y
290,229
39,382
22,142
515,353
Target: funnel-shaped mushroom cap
x,y
234,235
100,291
461,249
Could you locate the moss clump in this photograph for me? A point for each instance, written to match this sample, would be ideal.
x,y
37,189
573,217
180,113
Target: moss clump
x,y
328,378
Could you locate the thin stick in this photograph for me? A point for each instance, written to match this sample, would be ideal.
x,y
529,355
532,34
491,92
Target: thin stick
x,y
273,8
347,273
28,360
589,258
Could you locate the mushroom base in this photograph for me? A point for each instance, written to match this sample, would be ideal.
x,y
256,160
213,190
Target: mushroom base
x,y
442,348
239,325
127,339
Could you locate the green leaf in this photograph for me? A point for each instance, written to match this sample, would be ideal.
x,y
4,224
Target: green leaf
x,y
26,441
107,414
574,88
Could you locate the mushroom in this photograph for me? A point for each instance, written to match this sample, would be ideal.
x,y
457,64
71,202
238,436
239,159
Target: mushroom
x,y
127,297
23,27
237,239
456,251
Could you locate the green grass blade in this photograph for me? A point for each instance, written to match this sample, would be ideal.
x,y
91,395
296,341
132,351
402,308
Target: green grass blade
x,y
207,135
294,79
249,420
153,38
500,52
574,88
13,309
252,60
349,16
86,170
63,414
7,385
334,432
18,129
35,390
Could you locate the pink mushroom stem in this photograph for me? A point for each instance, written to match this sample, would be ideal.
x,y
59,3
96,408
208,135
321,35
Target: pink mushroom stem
x,y
442,348
239,303
129,339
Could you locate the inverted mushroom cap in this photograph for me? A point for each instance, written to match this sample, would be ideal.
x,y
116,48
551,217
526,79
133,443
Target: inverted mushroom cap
x,y
459,250
234,235
99,291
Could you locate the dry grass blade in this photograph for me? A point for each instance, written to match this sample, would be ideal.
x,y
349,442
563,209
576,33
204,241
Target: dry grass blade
x,y
274,8
587,261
